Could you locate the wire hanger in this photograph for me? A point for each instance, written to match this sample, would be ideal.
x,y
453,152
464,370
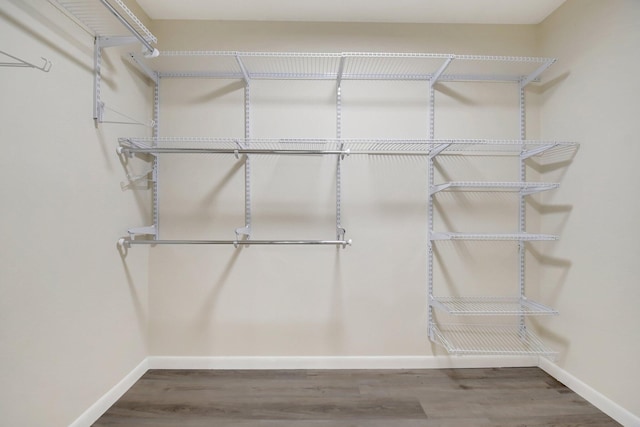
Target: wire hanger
x,y
46,67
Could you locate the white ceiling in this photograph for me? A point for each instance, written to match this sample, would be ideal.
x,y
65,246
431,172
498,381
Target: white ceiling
x,y
400,11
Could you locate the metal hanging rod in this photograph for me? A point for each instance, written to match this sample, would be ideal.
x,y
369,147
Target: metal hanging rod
x,y
126,150
46,67
127,243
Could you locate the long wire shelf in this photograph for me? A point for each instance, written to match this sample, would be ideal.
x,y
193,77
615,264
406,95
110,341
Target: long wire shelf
x,y
499,340
431,147
345,66
520,187
491,306
492,236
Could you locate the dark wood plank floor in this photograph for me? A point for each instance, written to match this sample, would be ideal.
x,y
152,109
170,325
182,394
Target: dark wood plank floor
x,y
374,398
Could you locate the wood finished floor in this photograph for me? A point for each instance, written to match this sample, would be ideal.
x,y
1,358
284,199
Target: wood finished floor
x,y
341,398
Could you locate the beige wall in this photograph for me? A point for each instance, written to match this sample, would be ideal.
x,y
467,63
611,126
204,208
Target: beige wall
x,y
73,313
369,299
592,278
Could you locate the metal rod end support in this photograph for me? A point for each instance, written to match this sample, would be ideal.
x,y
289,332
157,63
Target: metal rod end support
x,y
124,243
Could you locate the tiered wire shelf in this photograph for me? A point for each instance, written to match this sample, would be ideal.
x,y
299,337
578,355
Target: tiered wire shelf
x,y
499,340
491,306
471,186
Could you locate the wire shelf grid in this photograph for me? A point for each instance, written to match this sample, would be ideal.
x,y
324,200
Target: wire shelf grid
x,y
346,66
499,340
491,306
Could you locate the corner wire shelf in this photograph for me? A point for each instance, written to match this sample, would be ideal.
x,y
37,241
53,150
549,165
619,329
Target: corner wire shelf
x,y
491,306
99,18
492,236
345,66
430,147
499,340
524,188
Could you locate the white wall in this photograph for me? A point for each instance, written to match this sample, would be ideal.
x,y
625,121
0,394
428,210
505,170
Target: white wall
x,y
591,95
73,312
369,299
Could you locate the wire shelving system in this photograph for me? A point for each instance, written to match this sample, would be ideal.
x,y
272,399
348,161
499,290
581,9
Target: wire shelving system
x,y
459,339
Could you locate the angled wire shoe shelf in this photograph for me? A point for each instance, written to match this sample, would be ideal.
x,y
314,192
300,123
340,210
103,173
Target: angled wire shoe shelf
x,y
497,340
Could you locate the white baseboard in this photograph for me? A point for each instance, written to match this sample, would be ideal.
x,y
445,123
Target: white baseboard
x,y
96,410
593,396
338,362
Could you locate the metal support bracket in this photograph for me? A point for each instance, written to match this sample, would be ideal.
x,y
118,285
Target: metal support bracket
x,y
438,149
437,74
142,231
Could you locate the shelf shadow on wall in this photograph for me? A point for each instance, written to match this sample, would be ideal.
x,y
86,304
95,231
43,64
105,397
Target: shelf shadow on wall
x,y
448,91
142,202
141,315
220,92
548,209
562,264
210,300
214,192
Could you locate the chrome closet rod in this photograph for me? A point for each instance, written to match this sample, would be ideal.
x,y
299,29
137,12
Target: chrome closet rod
x,y
129,26
127,242
225,151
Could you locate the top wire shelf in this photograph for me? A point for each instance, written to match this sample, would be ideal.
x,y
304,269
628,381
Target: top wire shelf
x,y
345,66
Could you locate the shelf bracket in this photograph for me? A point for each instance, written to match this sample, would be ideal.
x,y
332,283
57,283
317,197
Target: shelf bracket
x,y
535,74
340,72
437,74
536,151
438,149
438,187
245,74
142,231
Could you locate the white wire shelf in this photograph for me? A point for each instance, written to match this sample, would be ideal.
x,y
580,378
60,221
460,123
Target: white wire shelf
x,y
491,306
336,146
98,18
492,236
346,66
524,188
500,340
